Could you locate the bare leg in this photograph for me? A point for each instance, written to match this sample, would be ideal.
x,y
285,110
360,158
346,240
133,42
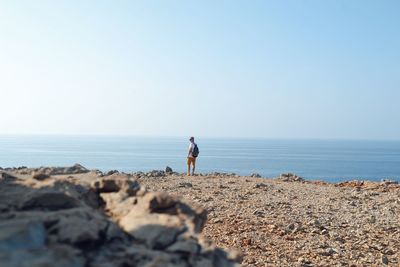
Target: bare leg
x,y
188,164
194,167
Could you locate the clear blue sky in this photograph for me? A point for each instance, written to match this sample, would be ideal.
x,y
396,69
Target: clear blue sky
x,y
279,69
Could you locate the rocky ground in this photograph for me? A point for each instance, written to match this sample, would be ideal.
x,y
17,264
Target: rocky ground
x,y
291,222
70,217
84,218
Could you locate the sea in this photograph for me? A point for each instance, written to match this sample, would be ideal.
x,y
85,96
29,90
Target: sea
x,y
328,160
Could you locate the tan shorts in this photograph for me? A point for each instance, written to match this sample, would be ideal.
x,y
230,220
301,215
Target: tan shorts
x,y
191,160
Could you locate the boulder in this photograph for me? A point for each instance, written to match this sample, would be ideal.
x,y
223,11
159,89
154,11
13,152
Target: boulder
x,y
79,227
6,176
118,204
116,183
185,246
58,255
168,170
194,217
290,177
21,234
49,201
157,230
109,173
40,176
75,169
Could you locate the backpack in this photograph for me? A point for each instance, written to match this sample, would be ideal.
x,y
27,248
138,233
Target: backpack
x,y
195,152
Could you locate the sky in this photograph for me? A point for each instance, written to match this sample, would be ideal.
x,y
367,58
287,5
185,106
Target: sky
x,y
263,69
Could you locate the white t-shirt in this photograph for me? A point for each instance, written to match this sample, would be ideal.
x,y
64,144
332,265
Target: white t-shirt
x,y
191,146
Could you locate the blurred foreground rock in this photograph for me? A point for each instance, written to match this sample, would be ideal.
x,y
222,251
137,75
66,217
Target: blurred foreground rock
x,y
72,217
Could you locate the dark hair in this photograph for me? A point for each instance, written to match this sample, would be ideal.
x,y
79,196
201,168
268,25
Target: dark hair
x,y
191,138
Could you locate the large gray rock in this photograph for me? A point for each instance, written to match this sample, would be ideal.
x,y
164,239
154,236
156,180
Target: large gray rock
x,y
38,175
78,226
195,217
60,256
6,176
50,201
157,219
21,234
157,230
115,183
75,169
185,246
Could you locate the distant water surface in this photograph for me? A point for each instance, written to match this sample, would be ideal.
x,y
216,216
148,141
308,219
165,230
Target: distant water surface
x,y
329,160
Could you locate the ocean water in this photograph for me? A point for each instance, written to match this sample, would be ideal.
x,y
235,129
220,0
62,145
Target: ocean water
x,y
329,160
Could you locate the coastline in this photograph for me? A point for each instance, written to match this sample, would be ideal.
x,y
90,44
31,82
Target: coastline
x,y
329,160
273,222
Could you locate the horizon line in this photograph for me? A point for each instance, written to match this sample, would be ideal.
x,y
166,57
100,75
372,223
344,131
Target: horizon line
x,y
197,137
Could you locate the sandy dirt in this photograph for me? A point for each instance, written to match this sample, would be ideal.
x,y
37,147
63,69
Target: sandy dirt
x,y
277,223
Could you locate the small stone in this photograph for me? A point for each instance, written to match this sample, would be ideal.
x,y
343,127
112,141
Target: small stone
x,y
185,184
324,232
218,220
385,260
290,228
260,185
328,252
168,170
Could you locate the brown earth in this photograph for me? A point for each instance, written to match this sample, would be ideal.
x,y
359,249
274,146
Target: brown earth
x,y
290,222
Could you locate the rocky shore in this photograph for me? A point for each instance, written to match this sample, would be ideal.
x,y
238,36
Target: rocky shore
x,y
78,217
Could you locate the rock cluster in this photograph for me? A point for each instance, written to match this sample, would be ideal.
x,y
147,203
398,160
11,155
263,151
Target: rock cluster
x,y
75,169
290,177
81,219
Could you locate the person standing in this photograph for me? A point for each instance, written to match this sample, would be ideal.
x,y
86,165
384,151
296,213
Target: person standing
x,y
193,153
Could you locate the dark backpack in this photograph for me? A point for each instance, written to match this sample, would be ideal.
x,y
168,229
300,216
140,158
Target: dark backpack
x,y
195,152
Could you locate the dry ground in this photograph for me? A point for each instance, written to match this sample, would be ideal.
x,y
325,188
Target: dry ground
x,y
276,223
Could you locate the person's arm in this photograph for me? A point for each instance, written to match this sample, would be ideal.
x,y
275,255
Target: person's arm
x,y
190,150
